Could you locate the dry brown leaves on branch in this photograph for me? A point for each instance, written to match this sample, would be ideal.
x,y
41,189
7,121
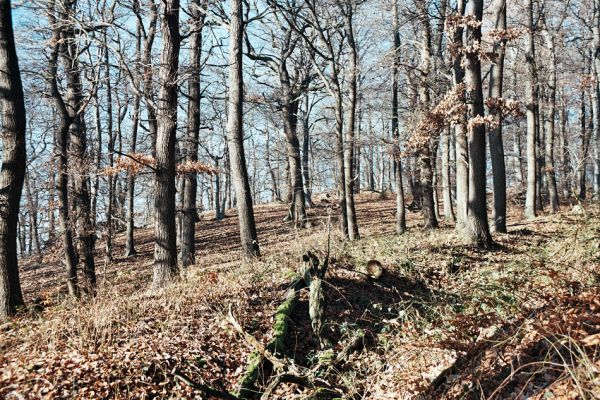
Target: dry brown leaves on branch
x,y
136,162
449,110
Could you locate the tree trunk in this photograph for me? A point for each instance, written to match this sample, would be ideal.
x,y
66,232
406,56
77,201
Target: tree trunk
x,y
32,206
353,233
400,211
190,211
446,186
165,247
477,223
130,250
305,153
495,134
549,117
111,154
235,135
290,107
532,102
12,174
425,163
460,132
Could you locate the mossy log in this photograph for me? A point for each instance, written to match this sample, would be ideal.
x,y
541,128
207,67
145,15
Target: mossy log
x,y
257,361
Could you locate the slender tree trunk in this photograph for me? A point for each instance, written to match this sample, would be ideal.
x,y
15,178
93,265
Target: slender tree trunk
x,y
477,223
235,135
353,233
495,134
165,232
305,152
581,167
425,162
532,101
460,132
550,116
12,174
32,206
190,212
400,211
111,154
446,186
130,250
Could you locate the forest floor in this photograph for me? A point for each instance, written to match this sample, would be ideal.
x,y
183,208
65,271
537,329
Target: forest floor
x,y
445,320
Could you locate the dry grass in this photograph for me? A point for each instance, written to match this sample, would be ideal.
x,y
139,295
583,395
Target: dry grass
x,y
521,320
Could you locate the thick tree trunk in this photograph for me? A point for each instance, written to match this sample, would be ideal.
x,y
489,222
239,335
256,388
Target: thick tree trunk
x,y
532,103
495,134
596,88
78,163
400,211
477,223
12,174
291,103
235,136
165,247
190,212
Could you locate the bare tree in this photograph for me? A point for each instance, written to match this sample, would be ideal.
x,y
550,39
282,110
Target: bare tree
x,y
495,134
400,211
477,223
532,105
165,247
190,150
12,174
235,134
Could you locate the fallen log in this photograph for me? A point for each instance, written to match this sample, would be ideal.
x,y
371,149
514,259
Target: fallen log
x,y
267,357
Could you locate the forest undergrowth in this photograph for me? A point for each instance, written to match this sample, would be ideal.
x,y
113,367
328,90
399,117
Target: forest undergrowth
x,y
444,320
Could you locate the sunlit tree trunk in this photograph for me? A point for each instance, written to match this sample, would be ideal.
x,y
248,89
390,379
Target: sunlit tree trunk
x,y
190,212
532,102
460,131
549,117
235,136
400,211
425,162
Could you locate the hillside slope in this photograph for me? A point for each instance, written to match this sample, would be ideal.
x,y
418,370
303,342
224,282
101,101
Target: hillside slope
x,y
443,321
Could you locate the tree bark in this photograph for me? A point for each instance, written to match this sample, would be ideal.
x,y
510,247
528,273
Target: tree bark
x,y
190,211
400,211
549,117
235,135
12,174
495,134
165,247
425,163
460,131
446,186
477,223
532,103
353,233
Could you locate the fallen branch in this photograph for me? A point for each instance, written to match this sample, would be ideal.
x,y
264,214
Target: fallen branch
x,y
266,356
